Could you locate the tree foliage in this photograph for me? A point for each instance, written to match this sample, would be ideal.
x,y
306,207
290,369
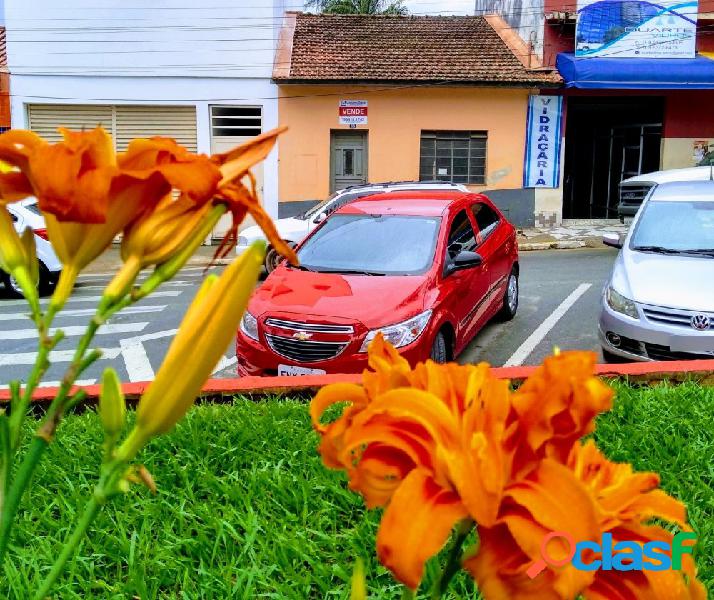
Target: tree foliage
x,y
359,7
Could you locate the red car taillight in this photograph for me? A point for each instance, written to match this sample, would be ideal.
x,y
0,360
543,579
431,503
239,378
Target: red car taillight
x,y
42,233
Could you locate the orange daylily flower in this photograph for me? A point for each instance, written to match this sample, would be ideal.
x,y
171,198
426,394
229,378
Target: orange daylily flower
x,y
436,444
587,497
234,166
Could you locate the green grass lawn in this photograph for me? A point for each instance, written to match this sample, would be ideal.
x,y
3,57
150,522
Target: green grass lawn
x,y
245,508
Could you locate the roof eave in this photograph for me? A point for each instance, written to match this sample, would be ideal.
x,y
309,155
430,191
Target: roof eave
x,y
418,82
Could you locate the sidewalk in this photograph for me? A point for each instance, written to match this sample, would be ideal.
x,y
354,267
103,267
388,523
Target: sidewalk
x,y
572,233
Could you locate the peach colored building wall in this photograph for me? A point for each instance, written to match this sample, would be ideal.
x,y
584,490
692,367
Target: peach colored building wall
x,y
395,121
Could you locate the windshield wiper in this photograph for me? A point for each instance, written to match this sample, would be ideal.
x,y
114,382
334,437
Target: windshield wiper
x,y
302,268
658,249
704,251
353,272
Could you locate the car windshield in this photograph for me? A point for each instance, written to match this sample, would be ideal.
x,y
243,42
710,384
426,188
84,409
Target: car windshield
x,y
675,227
372,245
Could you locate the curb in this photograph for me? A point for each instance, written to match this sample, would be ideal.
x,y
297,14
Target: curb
x,y
701,371
556,245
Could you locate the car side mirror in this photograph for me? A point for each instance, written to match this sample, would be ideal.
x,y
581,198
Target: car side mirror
x,y
612,239
319,218
464,260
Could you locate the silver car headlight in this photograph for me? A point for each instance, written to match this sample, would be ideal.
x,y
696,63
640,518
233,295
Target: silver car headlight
x,y
619,303
249,326
400,334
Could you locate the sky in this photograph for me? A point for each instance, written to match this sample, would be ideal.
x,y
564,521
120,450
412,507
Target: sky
x,y
447,7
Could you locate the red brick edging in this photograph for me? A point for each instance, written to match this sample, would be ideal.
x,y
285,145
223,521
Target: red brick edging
x,y
700,370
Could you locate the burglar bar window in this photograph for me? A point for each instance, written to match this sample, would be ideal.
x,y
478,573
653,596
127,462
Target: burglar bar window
x,y
236,121
455,156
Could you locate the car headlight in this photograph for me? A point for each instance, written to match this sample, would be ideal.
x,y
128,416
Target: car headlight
x,y
617,302
400,334
249,326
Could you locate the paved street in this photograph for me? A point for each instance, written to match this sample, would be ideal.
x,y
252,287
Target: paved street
x,y
565,282
553,283
134,341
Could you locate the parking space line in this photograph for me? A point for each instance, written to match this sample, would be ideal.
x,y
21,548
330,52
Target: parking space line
x,y
535,338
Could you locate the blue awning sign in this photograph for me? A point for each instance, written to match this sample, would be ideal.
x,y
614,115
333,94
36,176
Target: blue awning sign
x,y
636,73
543,124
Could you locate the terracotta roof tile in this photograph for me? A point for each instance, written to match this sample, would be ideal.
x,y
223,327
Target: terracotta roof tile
x,y
414,48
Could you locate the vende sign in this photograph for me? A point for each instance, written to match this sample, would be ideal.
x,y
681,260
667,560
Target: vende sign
x,y
353,112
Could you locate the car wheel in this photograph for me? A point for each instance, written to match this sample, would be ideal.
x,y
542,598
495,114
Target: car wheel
x,y
48,283
45,285
439,350
611,358
510,298
273,258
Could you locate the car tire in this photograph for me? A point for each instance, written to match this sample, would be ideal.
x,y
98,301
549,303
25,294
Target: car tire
x,y
611,358
45,284
48,283
440,349
510,298
273,258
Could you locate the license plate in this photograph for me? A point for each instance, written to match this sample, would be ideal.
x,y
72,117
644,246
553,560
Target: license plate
x,y
293,371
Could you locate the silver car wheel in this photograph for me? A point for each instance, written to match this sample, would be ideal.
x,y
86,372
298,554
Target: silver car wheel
x,y
512,293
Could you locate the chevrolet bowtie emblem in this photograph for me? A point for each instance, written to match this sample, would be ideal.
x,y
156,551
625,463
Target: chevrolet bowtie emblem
x,y
302,335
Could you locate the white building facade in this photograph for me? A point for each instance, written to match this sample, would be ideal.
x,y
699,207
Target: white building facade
x,y
200,74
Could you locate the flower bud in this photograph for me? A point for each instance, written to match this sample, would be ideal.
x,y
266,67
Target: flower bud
x,y
112,408
205,332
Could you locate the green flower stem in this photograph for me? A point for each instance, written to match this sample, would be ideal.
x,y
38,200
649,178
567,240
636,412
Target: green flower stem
x,y
5,458
44,434
453,563
12,500
70,546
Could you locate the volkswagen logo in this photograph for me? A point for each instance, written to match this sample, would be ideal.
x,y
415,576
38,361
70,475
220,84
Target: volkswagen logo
x,y
701,322
303,336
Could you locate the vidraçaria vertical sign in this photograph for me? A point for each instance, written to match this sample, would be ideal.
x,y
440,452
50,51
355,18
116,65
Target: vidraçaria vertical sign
x,y
636,29
542,162
353,112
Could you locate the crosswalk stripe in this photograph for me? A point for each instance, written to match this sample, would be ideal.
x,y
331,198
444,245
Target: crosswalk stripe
x,y
85,312
74,330
56,356
80,298
109,275
167,284
79,382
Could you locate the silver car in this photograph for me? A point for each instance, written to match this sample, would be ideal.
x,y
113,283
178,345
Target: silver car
x,y
659,301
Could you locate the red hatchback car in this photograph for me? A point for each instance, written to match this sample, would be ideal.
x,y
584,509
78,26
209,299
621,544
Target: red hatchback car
x,y
427,269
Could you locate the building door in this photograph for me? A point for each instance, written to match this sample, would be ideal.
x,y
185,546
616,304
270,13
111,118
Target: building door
x,y
348,159
608,140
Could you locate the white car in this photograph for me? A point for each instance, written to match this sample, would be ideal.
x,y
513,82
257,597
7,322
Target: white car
x,y
634,189
294,229
27,214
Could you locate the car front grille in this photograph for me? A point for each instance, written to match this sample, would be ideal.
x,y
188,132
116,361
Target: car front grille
x,y
672,316
658,352
304,351
634,194
311,327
